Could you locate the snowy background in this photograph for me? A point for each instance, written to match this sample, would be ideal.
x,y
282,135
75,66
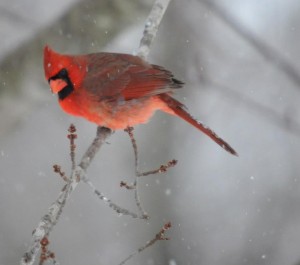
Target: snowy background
x,y
240,62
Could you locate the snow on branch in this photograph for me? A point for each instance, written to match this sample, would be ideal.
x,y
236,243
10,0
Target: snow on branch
x,y
151,26
49,220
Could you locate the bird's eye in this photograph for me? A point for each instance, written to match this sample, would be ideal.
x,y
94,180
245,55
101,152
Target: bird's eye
x,y
63,73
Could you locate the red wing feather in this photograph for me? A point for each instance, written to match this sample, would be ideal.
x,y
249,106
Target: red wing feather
x,y
112,76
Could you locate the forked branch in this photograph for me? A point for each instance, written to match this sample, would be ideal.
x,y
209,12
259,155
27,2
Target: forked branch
x,y
49,220
138,174
158,237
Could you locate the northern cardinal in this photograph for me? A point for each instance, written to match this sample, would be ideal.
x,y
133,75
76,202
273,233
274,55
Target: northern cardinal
x,y
116,90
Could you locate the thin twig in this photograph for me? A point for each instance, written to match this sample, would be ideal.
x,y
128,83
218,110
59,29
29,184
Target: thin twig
x,y
151,27
159,236
129,130
57,169
72,136
134,186
49,220
45,253
138,202
115,207
161,169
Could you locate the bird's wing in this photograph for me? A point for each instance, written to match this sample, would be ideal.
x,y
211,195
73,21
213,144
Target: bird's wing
x,y
114,76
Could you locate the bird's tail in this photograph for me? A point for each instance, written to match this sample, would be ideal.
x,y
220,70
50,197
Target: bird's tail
x,y
178,109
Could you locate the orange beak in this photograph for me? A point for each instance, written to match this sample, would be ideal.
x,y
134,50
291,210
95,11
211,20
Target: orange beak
x,y
57,85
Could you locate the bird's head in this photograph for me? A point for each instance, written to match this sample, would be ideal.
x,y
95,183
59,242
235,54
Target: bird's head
x,y
64,73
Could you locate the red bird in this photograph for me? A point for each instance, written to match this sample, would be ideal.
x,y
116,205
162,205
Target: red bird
x,y
116,90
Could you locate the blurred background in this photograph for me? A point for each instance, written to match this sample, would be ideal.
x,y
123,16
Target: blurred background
x,y
240,63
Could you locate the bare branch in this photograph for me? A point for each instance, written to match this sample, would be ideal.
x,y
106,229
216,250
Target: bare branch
x,y
161,169
134,185
114,206
72,136
102,134
49,220
151,26
129,130
159,236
